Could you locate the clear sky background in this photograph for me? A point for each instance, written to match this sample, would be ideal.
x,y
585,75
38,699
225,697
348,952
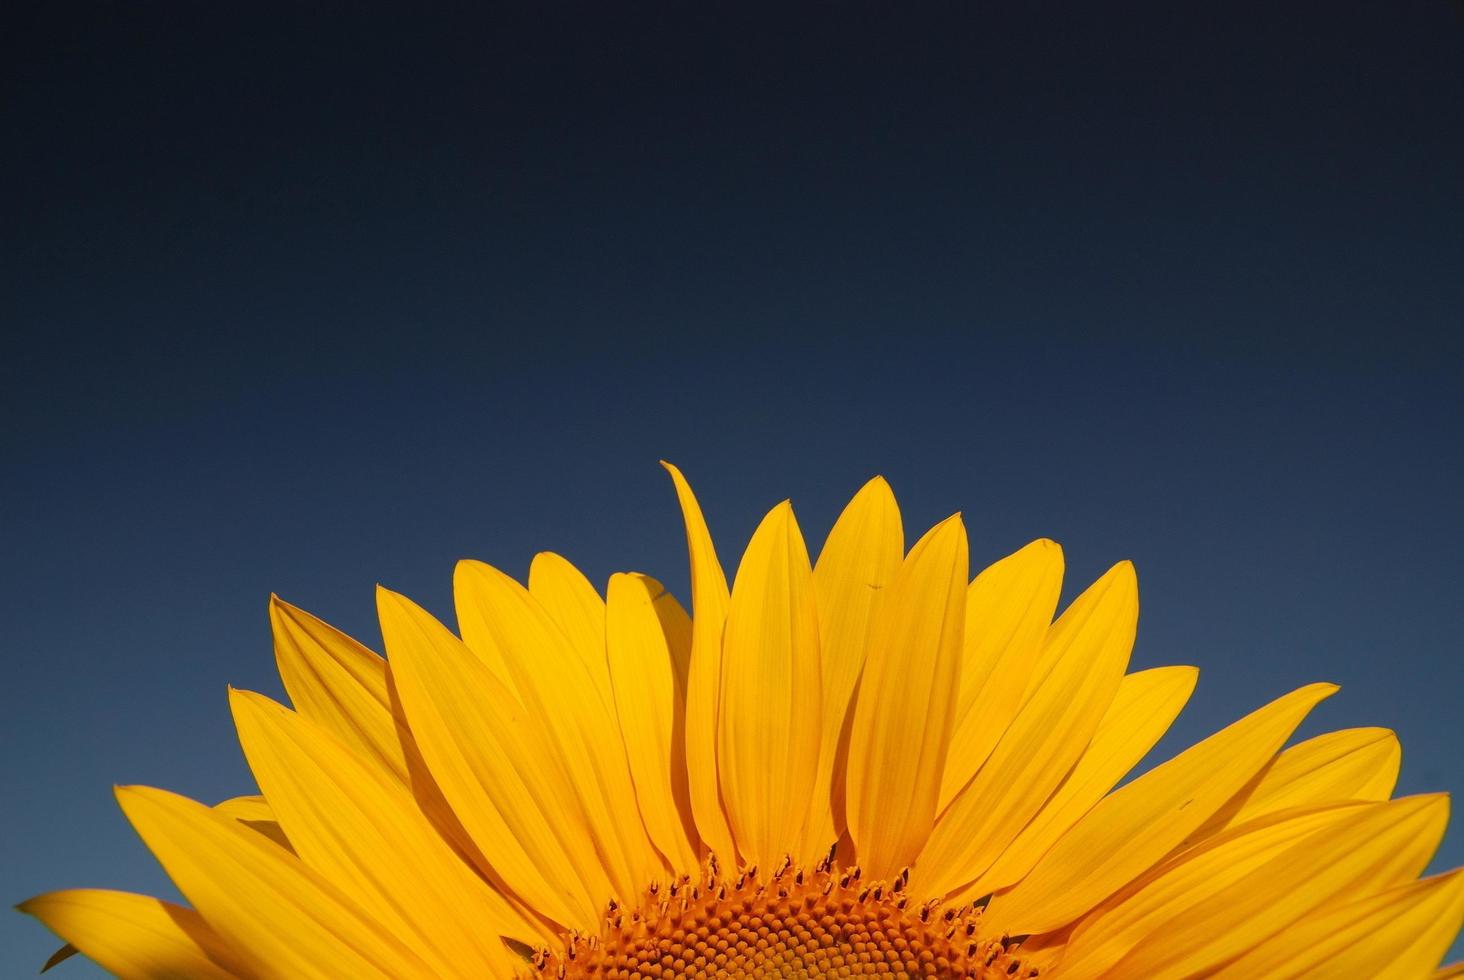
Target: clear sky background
x,y
303,302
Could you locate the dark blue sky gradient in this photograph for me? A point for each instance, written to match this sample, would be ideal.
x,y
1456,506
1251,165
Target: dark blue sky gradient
x,y
301,302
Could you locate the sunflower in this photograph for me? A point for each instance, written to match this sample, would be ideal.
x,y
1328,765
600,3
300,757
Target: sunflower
x,y
863,765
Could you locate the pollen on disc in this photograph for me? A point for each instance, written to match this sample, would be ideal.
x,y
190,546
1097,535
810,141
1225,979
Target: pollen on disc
x,y
795,924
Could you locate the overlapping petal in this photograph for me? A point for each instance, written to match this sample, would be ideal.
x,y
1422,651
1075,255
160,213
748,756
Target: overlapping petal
x,y
277,916
649,706
1081,666
364,832
769,720
851,578
136,937
902,719
1136,826
574,769
709,597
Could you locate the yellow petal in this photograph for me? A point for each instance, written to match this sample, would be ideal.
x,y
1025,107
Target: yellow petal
x,y
246,808
280,918
769,719
1397,935
362,831
906,699
577,609
1008,609
436,808
554,684
1384,845
1352,764
1450,971
135,937
853,571
644,686
254,813
494,764
1147,904
1145,706
704,674
1088,649
676,627
336,682
1136,826
339,684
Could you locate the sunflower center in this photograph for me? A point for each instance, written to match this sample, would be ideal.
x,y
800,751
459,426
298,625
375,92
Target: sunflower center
x,y
823,922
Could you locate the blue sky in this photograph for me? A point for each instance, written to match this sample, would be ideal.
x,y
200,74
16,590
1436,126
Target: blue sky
x,y
311,302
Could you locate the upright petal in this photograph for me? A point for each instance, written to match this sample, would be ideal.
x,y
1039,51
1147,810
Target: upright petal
x,y
676,626
1088,651
769,719
853,572
280,918
1136,826
576,609
644,685
704,674
136,937
906,700
555,686
363,831
1009,607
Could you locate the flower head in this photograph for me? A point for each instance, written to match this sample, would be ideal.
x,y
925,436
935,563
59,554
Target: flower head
x,y
860,764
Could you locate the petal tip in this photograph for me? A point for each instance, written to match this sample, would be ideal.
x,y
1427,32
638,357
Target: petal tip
x,y
877,486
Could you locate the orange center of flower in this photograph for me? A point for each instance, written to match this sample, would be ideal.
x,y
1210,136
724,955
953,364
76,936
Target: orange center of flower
x,y
819,923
